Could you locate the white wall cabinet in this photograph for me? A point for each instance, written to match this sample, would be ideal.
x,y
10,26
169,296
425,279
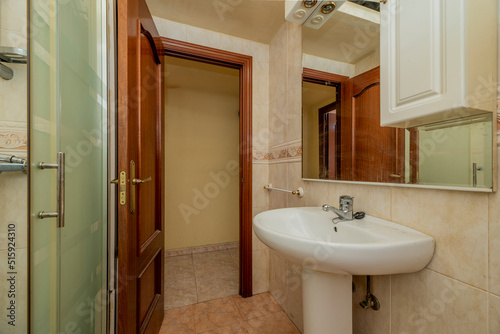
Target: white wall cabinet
x,y
438,60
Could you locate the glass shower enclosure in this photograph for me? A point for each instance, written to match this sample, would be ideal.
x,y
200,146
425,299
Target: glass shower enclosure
x,y
68,166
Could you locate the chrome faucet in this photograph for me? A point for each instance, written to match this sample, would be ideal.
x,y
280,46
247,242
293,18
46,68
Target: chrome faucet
x,y
345,211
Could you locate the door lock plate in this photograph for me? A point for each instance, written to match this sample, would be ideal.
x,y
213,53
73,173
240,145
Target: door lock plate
x,y
123,188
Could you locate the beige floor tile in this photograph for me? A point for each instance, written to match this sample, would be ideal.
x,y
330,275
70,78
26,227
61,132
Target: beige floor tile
x,y
213,262
256,306
217,285
179,267
215,314
236,328
178,321
174,259
273,323
211,255
180,292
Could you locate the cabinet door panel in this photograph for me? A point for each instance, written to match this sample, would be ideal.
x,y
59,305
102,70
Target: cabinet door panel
x,y
419,23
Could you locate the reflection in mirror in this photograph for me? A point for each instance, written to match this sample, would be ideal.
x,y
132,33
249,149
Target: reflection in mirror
x,y
343,141
342,136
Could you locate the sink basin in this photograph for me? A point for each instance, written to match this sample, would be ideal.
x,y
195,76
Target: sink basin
x,y
331,253
369,246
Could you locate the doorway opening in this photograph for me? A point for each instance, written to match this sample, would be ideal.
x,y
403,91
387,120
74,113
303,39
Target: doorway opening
x,y
208,168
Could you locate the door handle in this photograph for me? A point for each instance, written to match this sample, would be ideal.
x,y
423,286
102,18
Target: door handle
x,y
139,181
61,189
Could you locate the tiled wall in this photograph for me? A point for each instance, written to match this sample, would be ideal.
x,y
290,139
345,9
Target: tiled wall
x,y
260,54
13,186
458,292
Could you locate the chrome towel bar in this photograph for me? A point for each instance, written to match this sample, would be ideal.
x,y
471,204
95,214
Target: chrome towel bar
x,y
299,192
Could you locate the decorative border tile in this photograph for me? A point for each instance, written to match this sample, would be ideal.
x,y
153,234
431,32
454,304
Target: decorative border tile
x,y
13,138
201,249
291,151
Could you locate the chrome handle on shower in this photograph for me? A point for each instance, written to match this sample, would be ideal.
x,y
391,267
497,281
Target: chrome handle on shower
x,y
61,188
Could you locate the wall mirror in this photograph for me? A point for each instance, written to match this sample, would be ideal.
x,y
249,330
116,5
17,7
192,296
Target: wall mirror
x,y
342,137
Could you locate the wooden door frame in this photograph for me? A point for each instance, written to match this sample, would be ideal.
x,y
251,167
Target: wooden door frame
x,y
185,50
343,109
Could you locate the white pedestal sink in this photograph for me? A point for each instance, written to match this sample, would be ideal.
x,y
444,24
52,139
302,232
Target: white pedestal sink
x,y
330,257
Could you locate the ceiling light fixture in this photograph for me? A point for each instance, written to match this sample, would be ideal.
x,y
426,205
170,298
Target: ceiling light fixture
x,y
328,7
311,13
322,13
309,3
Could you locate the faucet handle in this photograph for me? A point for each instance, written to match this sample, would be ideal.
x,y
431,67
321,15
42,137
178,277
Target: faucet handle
x,y
346,203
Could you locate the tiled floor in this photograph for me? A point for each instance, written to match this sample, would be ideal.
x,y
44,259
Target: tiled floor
x,y
259,314
194,278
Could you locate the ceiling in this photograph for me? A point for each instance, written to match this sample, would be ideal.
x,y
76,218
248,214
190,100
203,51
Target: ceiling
x,y
351,34
348,36
255,20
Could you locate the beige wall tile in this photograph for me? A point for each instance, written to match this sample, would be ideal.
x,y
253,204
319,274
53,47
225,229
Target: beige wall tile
x,y
294,113
260,69
260,268
494,314
293,183
277,121
319,193
278,278
235,44
13,94
260,126
257,244
494,243
278,177
14,208
370,321
260,175
13,16
461,234
373,200
294,301
428,302
204,37
14,38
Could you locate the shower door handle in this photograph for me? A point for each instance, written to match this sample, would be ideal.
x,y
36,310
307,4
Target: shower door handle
x,y
61,185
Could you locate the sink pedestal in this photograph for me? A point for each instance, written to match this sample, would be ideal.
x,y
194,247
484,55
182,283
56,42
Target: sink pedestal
x,y
327,302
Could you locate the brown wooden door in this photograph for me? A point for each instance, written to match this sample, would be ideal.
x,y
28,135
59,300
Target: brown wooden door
x,y
140,129
377,153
